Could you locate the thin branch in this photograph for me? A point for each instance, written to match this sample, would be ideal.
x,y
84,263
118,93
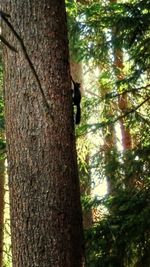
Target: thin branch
x,y
91,93
94,126
111,95
131,111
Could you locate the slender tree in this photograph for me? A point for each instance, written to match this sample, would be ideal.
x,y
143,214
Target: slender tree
x,y
122,99
76,66
46,220
2,177
2,163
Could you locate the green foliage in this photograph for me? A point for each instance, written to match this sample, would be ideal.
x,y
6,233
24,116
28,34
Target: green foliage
x,y
74,31
91,27
122,236
97,30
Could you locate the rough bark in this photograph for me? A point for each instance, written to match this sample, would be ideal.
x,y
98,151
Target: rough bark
x,y
46,221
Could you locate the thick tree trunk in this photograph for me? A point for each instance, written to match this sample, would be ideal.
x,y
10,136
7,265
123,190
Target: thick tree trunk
x,y
46,221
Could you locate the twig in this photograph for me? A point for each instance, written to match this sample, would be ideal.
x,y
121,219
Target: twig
x,y
131,110
111,95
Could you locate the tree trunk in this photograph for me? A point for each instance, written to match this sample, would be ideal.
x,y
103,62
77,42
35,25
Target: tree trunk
x,y
123,106
85,177
46,220
122,101
109,141
76,71
2,178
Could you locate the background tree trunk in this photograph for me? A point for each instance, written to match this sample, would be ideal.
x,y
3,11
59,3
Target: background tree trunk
x,y
46,221
122,102
2,178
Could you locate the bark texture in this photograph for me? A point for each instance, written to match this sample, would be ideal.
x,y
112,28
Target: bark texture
x,y
46,221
